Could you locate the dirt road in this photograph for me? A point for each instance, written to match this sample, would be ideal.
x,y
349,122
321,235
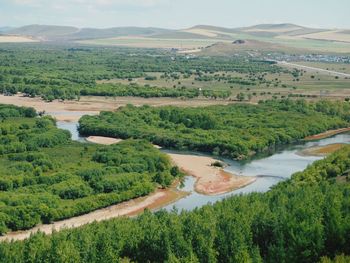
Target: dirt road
x,y
313,69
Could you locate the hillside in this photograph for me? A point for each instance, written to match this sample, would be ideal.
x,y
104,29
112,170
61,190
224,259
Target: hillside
x,y
65,33
200,36
240,46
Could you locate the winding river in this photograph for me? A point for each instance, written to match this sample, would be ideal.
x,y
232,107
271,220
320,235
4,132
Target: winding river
x,y
269,170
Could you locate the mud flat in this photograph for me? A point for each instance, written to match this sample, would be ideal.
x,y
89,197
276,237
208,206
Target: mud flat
x,y
321,150
211,180
326,134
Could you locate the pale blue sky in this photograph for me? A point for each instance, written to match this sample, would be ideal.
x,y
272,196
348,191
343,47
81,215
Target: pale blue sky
x,y
175,13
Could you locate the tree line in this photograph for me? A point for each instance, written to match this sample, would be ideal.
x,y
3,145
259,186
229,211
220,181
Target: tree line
x,y
304,219
237,130
45,176
60,72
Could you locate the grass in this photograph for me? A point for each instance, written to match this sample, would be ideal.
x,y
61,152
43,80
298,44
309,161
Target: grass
x,y
310,83
339,67
151,42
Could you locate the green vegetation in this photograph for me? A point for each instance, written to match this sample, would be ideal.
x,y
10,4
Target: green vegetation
x,y
236,130
44,176
297,221
60,72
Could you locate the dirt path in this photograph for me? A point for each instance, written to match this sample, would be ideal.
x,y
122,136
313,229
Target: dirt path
x,y
313,69
136,206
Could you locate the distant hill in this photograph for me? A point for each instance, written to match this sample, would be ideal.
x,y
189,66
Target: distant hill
x,y
66,33
198,36
44,32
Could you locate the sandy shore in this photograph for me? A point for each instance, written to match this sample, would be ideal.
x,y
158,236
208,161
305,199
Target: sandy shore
x,y
210,180
326,134
136,206
93,105
103,140
321,150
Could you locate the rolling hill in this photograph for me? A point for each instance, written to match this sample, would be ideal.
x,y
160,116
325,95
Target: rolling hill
x,y
199,36
66,33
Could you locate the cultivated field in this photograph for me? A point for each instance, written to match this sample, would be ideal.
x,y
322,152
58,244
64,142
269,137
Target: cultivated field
x,y
143,42
15,39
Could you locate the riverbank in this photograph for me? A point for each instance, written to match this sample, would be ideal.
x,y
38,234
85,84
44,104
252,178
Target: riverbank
x,y
326,134
156,200
210,180
321,150
94,104
102,140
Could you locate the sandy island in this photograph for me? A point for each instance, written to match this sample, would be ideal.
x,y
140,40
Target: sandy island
x,y
321,150
211,180
156,200
102,140
326,134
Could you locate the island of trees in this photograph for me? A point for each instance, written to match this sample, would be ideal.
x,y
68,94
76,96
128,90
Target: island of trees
x,y
44,176
236,131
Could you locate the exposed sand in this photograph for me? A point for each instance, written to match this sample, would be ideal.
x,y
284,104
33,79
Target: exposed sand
x,y
326,134
16,39
321,150
103,140
93,105
210,180
156,200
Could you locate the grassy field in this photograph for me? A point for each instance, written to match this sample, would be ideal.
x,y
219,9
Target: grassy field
x,y
288,43
339,67
151,42
282,84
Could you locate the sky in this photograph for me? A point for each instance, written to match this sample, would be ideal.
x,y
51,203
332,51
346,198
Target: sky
x,y
175,14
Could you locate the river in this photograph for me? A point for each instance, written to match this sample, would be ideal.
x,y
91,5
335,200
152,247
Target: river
x,y
270,170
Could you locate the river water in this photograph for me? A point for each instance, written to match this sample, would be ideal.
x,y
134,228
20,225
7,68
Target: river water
x,y
270,170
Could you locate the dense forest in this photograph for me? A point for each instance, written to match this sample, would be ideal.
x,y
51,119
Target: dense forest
x,y
44,176
237,130
304,219
63,72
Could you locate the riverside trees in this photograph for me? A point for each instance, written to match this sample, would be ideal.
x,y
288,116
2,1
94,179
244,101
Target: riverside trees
x,y
236,130
299,220
44,176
